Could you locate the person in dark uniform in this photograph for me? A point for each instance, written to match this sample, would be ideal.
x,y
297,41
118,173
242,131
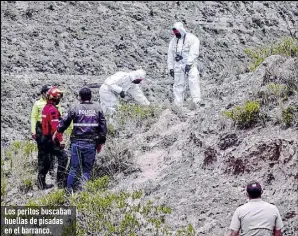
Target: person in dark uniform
x,y
88,137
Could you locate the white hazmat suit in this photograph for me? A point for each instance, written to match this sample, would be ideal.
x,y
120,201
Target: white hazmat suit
x,y
187,48
121,81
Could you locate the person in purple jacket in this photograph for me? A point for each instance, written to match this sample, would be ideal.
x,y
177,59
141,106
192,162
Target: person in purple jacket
x,y
88,137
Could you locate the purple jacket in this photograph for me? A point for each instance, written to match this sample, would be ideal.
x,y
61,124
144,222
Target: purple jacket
x,y
88,122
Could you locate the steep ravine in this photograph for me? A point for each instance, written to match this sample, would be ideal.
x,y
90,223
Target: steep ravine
x,y
193,160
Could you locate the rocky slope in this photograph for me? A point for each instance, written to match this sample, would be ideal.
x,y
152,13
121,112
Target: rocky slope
x,y
191,156
191,159
94,39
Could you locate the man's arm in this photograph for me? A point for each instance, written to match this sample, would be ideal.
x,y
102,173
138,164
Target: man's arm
x,y
102,124
103,130
138,95
60,109
193,50
115,88
65,122
278,224
34,117
235,224
54,122
171,56
44,122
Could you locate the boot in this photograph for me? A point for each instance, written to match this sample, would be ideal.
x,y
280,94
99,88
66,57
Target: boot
x,y
47,186
52,172
41,183
61,184
62,178
68,191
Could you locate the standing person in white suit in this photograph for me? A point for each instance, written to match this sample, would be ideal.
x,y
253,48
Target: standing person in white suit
x,y
182,64
121,84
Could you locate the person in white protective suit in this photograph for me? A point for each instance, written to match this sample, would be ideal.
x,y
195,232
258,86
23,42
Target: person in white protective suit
x,y
121,84
182,64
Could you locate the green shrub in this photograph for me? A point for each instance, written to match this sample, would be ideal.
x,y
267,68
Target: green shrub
x,y
287,47
19,163
116,158
102,212
3,188
16,145
29,148
244,116
189,231
273,93
3,180
96,185
111,130
25,147
288,115
278,90
26,185
55,198
137,115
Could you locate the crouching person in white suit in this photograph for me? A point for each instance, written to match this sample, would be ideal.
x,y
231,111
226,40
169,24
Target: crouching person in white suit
x,y
119,85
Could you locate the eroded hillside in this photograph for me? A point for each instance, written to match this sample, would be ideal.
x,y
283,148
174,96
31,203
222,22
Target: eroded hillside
x,y
195,160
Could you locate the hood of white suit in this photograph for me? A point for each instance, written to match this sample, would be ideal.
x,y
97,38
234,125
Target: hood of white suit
x,y
137,74
179,26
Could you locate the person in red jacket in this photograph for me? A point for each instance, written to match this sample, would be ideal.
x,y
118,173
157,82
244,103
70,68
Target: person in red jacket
x,y
50,121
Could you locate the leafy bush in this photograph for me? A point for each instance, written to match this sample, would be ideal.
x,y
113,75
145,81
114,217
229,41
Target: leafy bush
x,y
3,188
137,111
287,77
3,180
25,147
55,198
189,231
278,94
105,213
29,147
244,116
19,163
288,115
277,89
111,130
135,116
26,185
97,185
287,47
116,157
273,93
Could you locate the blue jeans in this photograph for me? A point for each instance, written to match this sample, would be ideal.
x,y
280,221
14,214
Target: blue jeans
x,y
82,160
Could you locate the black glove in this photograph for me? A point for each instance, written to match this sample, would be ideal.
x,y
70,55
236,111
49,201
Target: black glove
x,y
187,69
172,72
122,94
100,140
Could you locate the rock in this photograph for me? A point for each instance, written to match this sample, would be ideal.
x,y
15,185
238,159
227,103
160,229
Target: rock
x,y
210,156
227,140
236,166
195,140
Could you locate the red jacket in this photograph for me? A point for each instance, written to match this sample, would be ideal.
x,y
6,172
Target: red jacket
x,y
50,120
